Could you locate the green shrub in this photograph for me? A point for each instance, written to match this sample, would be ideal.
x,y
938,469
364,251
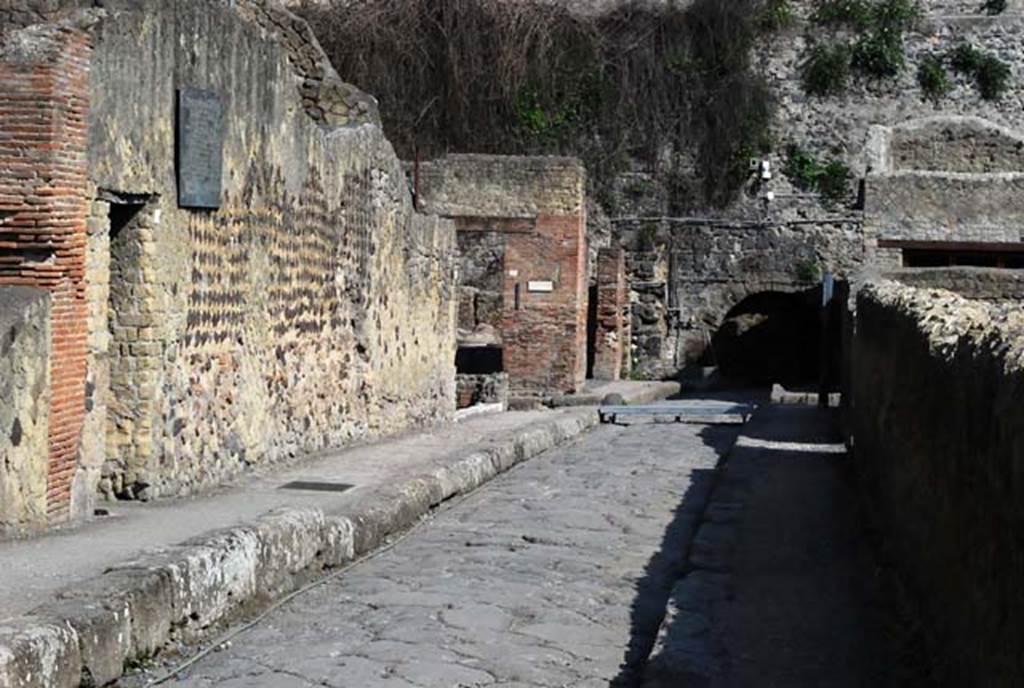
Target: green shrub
x,y
775,15
991,74
808,270
993,77
994,6
831,181
854,13
834,182
965,58
878,47
801,167
896,15
864,15
879,54
933,79
827,70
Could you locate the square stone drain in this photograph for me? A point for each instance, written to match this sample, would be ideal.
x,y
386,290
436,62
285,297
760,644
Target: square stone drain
x,y
314,486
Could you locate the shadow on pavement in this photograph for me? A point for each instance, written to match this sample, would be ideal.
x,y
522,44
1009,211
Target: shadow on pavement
x,y
667,565
810,605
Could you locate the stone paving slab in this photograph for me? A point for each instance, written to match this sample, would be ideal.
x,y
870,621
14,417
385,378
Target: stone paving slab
x,y
631,391
77,606
775,593
553,574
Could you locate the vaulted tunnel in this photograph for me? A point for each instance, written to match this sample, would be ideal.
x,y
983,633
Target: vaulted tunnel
x,y
772,337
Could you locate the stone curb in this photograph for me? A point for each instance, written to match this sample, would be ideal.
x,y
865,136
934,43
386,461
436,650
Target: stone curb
x,y
184,593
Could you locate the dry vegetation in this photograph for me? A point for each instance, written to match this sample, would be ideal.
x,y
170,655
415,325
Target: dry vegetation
x,y
656,83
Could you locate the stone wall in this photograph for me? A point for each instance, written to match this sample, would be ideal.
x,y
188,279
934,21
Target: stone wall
x,y
945,179
15,14
842,123
24,413
312,309
537,207
938,384
985,284
685,276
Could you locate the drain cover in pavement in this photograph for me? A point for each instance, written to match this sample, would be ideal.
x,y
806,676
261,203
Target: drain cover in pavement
x,y
313,486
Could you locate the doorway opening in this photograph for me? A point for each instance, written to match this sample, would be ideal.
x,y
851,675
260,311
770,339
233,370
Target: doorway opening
x,y
591,331
132,344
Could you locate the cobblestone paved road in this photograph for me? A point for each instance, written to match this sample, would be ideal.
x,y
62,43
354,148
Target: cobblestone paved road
x,y
555,574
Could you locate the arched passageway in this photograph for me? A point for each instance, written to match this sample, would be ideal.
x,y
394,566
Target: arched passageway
x,y
771,337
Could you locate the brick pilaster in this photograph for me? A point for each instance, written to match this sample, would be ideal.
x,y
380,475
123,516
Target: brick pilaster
x,y
44,102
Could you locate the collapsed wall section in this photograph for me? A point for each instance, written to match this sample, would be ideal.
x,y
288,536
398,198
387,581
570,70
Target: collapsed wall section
x,y
938,383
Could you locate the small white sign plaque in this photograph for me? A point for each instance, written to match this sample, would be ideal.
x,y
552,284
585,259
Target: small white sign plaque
x,y
541,286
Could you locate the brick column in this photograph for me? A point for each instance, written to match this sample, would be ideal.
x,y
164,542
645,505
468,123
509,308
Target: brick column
x,y
545,332
44,98
611,337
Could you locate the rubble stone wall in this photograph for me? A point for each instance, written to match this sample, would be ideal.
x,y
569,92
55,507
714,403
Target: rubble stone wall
x,y
24,413
984,284
945,178
314,308
938,383
685,277
16,14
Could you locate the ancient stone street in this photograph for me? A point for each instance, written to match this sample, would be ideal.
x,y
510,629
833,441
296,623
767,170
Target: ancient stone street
x,y
511,343
555,574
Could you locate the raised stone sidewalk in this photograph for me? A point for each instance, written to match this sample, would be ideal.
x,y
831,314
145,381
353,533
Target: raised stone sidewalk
x,y
77,606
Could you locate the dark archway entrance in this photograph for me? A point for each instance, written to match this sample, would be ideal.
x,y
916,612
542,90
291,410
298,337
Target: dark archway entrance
x,y
771,337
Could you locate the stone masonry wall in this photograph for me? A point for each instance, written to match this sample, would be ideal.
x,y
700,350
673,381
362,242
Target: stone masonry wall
x,y
24,413
537,206
312,309
842,123
15,14
686,276
938,383
985,284
945,178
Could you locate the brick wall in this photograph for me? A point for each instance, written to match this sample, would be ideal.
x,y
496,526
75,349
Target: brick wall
x,y
532,211
610,337
43,209
545,333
